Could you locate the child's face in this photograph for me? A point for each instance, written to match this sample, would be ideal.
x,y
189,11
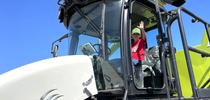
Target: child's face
x,y
136,36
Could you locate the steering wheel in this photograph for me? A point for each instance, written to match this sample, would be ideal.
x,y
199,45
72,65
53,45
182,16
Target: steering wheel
x,y
100,48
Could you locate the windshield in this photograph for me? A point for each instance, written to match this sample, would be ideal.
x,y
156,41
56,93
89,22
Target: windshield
x,y
96,31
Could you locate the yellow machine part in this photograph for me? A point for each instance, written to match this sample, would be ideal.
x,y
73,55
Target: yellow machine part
x,y
201,68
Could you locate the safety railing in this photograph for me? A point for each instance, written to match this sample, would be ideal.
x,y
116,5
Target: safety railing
x,y
176,15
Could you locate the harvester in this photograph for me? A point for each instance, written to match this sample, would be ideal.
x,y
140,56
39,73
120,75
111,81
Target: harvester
x,y
99,66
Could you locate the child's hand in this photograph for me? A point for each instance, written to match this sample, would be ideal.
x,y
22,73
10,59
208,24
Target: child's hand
x,y
141,25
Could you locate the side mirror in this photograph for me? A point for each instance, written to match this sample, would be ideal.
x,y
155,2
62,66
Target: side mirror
x,y
88,49
55,46
54,50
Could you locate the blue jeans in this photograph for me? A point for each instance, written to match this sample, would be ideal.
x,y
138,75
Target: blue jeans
x,y
135,62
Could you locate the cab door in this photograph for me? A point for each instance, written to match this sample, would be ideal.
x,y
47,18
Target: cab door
x,y
147,77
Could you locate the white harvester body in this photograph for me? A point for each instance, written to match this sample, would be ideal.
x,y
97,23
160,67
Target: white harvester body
x,y
60,78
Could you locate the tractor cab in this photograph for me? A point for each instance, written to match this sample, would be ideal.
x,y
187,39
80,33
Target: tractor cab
x,y
101,29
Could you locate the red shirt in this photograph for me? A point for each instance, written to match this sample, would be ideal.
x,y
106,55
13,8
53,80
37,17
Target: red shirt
x,y
138,48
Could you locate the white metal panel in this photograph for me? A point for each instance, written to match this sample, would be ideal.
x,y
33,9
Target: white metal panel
x,y
64,77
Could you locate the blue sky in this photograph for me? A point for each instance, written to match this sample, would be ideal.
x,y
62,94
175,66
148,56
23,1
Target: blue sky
x,y
28,27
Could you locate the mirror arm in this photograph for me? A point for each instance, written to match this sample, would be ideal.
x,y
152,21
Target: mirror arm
x,y
53,51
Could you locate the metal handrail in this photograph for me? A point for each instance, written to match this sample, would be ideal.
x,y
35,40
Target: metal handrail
x,y
172,57
203,53
187,54
187,48
207,25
